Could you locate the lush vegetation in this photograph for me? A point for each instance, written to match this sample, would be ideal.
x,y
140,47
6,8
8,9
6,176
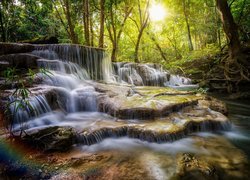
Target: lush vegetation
x,y
128,28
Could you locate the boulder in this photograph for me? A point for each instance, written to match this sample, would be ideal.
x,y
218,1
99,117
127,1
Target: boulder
x,y
213,104
51,138
20,61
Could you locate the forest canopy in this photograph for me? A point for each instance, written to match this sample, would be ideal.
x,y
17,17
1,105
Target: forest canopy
x,y
131,30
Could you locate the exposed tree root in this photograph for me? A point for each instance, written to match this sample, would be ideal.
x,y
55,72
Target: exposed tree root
x,y
235,71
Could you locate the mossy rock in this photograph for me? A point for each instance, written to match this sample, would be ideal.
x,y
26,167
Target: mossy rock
x,y
52,138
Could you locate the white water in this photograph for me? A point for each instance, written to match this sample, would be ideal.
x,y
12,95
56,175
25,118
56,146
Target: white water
x,y
78,105
22,112
129,144
149,75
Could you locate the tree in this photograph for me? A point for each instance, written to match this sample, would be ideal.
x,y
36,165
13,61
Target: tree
x,y
102,21
141,25
229,27
86,21
1,23
114,27
66,10
153,38
186,4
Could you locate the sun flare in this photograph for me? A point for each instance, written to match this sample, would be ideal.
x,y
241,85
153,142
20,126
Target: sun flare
x,y
157,12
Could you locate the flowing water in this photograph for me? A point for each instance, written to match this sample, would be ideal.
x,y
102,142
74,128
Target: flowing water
x,y
73,71
239,114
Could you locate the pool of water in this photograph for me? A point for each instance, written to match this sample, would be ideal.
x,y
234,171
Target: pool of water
x,y
239,114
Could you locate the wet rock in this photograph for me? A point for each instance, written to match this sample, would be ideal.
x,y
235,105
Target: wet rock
x,y
20,61
190,167
67,176
214,104
150,76
51,138
141,104
12,48
57,98
171,128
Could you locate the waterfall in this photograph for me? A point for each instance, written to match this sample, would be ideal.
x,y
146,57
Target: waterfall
x,y
91,59
92,63
149,75
180,82
22,111
64,67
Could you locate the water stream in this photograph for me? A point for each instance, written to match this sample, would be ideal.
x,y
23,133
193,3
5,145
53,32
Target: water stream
x,y
239,114
70,99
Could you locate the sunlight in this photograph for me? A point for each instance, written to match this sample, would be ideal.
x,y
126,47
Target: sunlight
x,y
157,12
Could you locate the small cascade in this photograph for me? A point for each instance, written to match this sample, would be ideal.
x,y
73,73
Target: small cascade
x,y
22,111
137,132
180,82
71,94
149,75
64,67
140,74
88,58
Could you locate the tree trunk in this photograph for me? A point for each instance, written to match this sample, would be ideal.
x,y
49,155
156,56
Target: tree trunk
x,y
86,21
73,36
137,46
114,52
115,32
60,17
144,18
157,46
102,18
91,34
2,26
229,27
185,6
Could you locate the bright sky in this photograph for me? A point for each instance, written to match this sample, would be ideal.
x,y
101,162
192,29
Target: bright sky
x,y
157,12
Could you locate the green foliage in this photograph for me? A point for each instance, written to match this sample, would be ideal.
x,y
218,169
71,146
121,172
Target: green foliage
x,y
28,19
199,57
201,90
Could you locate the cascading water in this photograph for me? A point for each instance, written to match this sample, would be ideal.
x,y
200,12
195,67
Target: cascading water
x,y
138,119
90,59
149,75
72,69
67,77
23,111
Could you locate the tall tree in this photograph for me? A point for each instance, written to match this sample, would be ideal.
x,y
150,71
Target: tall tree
x,y
86,22
114,27
67,12
141,25
1,23
102,19
186,6
153,38
230,28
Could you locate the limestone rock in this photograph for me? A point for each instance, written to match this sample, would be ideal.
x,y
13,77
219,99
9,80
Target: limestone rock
x,y
20,61
142,102
12,48
51,138
214,104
